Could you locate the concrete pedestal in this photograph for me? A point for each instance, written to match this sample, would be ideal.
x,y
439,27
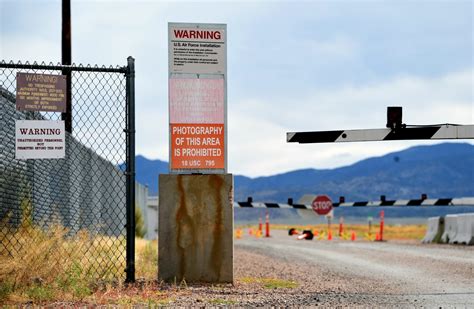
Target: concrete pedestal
x,y
196,222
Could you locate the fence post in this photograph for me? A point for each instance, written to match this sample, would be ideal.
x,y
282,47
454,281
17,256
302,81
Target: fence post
x,y
130,172
66,59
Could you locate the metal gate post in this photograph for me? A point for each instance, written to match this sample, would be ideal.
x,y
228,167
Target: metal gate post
x,y
66,59
130,172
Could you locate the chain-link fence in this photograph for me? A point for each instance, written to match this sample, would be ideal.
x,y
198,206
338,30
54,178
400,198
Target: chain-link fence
x,y
87,194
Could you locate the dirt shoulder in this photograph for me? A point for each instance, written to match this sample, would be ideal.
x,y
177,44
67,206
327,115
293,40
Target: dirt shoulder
x,y
282,271
260,280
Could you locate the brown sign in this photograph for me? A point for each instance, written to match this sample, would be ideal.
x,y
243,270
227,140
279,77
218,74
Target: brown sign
x,y
40,92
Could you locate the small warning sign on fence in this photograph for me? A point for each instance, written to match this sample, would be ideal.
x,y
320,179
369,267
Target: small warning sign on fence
x,y
39,139
41,92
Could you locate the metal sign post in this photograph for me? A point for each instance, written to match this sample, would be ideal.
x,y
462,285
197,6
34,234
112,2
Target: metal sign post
x,y
130,172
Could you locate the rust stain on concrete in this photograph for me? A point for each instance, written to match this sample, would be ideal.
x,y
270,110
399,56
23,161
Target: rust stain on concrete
x,y
196,224
218,232
184,228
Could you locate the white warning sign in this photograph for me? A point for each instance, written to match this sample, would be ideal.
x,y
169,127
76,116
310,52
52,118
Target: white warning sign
x,y
197,48
39,139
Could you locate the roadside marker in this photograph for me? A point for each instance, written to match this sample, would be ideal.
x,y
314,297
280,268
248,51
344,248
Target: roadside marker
x,y
238,234
382,215
267,225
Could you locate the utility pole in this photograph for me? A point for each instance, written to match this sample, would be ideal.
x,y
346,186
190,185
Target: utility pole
x,y
66,60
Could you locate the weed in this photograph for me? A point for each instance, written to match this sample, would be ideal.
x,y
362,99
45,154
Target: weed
x,y
146,256
279,283
140,227
5,289
271,283
39,292
73,281
45,264
248,280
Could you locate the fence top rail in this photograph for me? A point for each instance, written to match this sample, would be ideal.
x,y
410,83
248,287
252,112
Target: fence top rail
x,y
51,66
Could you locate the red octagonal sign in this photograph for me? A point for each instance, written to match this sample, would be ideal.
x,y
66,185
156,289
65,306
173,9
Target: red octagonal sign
x,y
322,204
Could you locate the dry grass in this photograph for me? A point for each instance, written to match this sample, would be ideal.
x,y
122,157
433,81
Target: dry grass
x,y
39,266
390,232
146,259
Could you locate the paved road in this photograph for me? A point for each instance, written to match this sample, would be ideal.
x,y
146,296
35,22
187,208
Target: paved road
x,y
383,273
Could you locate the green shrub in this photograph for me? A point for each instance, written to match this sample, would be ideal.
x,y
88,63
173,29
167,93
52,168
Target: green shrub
x,y
140,228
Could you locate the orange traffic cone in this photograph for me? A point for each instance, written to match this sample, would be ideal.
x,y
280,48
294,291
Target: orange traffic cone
x,y
377,237
267,225
329,235
353,236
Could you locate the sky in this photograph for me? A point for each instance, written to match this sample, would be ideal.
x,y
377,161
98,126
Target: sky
x,y
292,66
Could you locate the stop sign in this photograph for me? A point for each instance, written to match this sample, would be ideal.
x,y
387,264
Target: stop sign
x,y
322,205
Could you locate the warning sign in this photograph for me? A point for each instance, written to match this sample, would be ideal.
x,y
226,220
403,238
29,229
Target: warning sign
x,y
197,103
197,123
41,92
197,48
39,139
197,146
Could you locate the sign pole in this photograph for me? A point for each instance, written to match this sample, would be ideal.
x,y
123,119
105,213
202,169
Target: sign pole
x,y
66,59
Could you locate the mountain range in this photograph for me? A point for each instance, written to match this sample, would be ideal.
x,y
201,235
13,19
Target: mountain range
x,y
442,170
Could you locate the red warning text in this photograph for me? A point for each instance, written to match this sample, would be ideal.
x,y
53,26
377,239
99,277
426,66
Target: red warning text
x,y
197,146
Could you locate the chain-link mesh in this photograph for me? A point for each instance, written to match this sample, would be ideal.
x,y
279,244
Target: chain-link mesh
x,y
84,193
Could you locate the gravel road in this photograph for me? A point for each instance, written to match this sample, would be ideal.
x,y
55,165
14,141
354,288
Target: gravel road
x,y
343,273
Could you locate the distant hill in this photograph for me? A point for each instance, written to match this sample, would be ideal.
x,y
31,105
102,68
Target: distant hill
x,y
443,170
